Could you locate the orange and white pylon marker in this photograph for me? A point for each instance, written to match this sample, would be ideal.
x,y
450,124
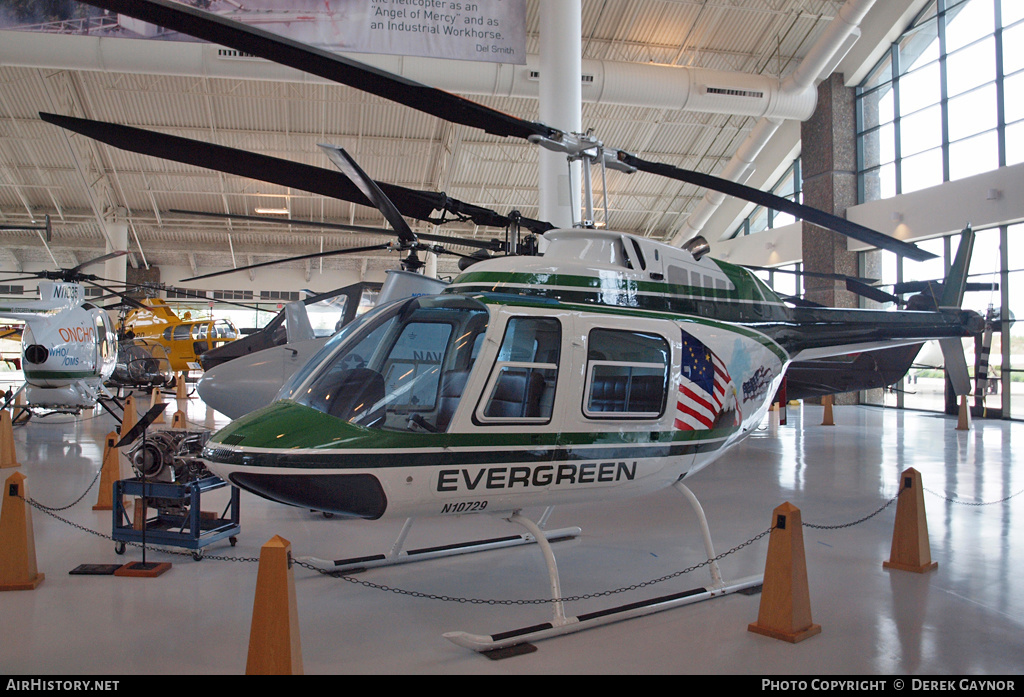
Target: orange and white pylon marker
x,y
274,645
181,394
910,549
827,417
785,611
131,415
963,421
8,453
157,397
110,472
18,570
178,421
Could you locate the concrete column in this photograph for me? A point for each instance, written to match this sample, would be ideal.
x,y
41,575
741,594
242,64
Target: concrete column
x,y
117,233
561,105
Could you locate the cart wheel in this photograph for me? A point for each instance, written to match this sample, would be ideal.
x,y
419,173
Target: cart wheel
x,y
119,547
197,554
233,541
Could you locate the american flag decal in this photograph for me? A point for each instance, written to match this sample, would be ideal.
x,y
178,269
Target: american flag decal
x,y
705,388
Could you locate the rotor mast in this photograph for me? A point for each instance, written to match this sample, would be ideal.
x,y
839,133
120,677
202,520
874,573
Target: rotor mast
x,y
561,105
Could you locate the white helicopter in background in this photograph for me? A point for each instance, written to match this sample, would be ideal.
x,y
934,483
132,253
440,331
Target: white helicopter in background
x,y
68,346
251,380
609,366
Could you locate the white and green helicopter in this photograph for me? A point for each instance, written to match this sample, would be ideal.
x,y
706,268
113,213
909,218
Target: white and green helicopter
x,y
68,345
608,366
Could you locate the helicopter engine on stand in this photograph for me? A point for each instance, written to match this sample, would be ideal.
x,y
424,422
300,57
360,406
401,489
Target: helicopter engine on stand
x,y
169,456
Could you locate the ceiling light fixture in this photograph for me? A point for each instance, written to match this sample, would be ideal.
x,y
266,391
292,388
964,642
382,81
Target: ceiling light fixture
x,y
272,211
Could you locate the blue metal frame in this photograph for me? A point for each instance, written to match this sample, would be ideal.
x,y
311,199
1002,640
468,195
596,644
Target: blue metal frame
x,y
191,530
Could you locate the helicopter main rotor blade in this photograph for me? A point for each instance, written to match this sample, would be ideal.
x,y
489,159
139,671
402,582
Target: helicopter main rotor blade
x,y
381,202
784,205
870,292
809,274
125,298
195,295
97,260
315,255
493,245
330,66
317,180
285,221
455,109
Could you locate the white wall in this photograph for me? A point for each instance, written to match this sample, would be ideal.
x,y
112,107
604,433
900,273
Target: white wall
x,y
985,200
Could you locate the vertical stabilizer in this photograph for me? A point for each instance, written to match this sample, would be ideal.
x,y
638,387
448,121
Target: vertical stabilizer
x,y
952,296
956,280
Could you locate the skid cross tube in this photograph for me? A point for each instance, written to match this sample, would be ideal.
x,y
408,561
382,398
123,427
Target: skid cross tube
x,y
560,624
398,555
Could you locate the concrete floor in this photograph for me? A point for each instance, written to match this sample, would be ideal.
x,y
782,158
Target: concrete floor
x,y
962,619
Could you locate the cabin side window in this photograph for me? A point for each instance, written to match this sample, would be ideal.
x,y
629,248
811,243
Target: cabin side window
x,y
627,375
521,387
181,332
223,329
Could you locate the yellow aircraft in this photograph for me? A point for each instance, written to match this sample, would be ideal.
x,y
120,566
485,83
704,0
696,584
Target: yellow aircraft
x,y
183,338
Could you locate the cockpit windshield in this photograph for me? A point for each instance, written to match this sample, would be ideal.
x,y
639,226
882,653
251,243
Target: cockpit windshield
x,y
404,369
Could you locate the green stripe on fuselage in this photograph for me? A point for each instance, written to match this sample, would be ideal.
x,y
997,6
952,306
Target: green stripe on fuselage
x,y
60,374
286,425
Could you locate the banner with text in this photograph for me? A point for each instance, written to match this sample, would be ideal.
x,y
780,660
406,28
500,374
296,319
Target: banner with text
x,y
483,30
486,30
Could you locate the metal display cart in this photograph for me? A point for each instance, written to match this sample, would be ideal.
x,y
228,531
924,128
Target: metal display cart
x,y
180,522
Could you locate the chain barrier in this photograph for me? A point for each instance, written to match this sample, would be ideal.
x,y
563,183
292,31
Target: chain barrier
x,y
858,521
64,508
491,601
951,499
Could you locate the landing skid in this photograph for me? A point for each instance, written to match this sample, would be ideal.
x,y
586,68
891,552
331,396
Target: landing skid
x,y
398,555
561,624
570,625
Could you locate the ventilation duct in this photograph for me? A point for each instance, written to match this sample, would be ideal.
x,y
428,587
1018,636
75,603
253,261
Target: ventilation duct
x,y
821,60
604,82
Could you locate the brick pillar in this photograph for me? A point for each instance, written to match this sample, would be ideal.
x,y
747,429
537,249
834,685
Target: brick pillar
x,y
829,166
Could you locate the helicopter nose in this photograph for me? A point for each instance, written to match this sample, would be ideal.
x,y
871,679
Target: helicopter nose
x,y
244,384
36,353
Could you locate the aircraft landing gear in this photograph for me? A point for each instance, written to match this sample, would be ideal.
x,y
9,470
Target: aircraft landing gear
x,y
560,624
398,555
